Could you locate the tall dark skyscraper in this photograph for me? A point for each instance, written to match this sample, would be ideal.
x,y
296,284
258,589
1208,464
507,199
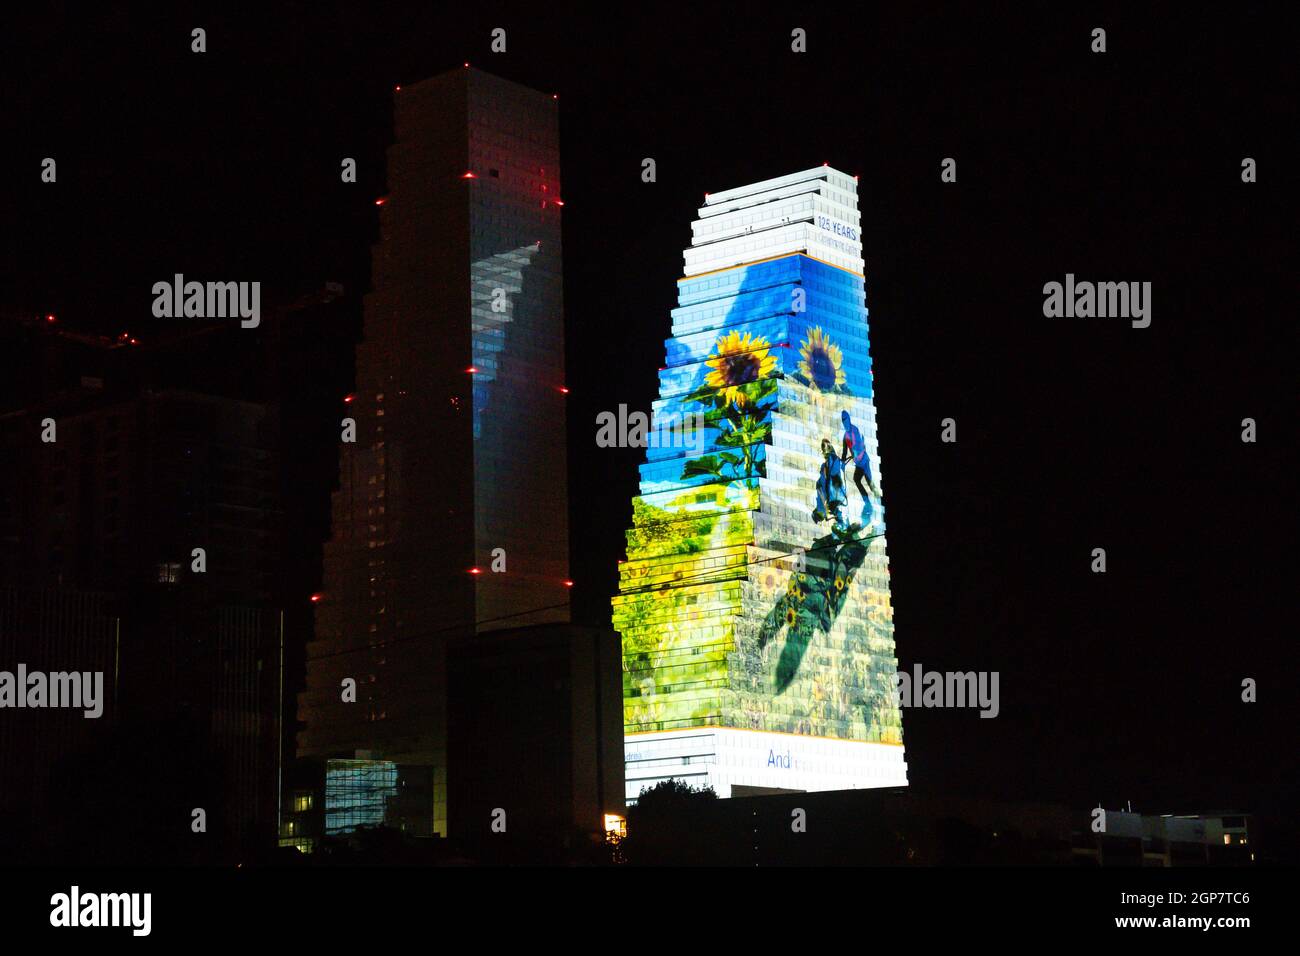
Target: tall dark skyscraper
x,y
98,532
451,512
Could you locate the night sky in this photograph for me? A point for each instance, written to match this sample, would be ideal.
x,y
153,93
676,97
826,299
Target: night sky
x,y
1072,433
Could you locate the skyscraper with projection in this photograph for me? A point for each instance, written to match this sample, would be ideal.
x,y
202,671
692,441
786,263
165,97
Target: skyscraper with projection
x,y
758,639
451,512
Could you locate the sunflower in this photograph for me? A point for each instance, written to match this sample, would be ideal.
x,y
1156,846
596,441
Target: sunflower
x,y
790,616
820,362
740,359
839,584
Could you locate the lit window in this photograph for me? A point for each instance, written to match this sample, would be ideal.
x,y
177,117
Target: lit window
x,y
615,826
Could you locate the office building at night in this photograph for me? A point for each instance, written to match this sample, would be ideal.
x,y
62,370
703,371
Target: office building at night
x,y
98,533
451,513
754,608
535,726
51,631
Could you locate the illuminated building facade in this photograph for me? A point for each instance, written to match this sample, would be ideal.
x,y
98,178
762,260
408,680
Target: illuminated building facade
x,y
452,514
757,631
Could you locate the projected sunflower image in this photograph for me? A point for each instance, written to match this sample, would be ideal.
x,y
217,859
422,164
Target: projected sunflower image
x,y
740,360
821,363
739,391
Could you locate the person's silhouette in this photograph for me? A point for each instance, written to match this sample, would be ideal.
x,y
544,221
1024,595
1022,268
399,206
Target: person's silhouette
x,y
855,447
831,496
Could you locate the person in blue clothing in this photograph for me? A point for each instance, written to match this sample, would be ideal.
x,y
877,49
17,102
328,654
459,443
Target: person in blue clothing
x,y
831,496
855,448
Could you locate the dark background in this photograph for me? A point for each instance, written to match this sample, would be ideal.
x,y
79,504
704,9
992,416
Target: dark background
x,y
1072,433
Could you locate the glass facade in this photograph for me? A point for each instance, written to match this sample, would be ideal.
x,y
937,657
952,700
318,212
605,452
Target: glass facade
x,y
459,398
357,793
517,350
758,645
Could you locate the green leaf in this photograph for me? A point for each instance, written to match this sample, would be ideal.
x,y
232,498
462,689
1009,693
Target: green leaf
x,y
708,465
705,393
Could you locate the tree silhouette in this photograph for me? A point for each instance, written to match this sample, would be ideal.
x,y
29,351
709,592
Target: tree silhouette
x,y
663,829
